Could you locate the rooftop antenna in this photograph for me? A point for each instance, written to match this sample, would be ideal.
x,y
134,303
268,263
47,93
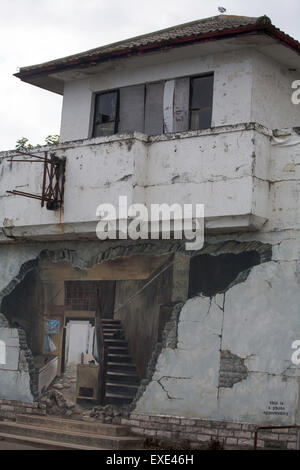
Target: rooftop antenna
x,y
222,10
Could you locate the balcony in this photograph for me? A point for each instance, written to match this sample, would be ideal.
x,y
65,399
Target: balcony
x,y
225,168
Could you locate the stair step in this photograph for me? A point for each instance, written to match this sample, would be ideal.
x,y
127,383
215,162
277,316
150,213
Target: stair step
x,y
72,437
118,350
50,445
123,377
112,328
111,320
122,389
108,329
121,366
119,358
117,398
122,380
115,342
73,425
111,335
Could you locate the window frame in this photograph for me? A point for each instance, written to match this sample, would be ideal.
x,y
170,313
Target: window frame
x,y
117,116
193,77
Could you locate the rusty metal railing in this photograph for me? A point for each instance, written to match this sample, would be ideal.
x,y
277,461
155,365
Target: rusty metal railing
x,y
53,179
265,428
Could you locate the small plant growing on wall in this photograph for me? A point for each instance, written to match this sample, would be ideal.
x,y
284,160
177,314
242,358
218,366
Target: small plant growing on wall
x,y
52,139
24,145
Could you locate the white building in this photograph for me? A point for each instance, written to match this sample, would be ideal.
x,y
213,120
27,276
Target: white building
x,y
197,113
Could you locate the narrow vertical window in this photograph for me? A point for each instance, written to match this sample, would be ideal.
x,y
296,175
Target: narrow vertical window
x,y
201,102
106,113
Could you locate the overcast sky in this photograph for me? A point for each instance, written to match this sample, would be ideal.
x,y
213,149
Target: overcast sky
x,y
34,31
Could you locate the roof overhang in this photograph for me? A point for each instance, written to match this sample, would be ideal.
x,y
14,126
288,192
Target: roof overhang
x,y
261,35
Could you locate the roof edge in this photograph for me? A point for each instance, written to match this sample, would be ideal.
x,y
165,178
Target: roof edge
x,y
262,25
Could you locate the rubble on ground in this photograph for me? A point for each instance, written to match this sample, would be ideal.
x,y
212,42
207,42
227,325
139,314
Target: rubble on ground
x,y
57,404
109,414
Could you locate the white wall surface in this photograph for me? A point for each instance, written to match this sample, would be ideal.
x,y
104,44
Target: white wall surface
x,y
14,374
248,87
226,169
257,320
271,94
80,336
232,85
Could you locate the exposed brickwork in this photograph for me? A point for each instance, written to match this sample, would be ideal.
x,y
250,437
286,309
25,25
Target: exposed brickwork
x,y
232,369
26,361
200,433
10,408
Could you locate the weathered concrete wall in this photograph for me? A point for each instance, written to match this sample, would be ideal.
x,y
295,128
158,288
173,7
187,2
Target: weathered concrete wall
x,y
252,325
271,91
242,76
232,182
232,360
232,84
15,374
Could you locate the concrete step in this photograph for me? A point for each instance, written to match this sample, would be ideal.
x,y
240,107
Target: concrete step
x,y
121,366
110,327
44,443
119,358
115,342
121,380
117,349
123,389
130,378
73,425
111,320
112,335
117,399
99,441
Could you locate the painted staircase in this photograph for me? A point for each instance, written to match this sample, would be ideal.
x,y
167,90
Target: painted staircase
x,y
56,433
122,380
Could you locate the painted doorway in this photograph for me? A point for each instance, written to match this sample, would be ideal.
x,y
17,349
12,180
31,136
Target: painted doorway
x,y
79,339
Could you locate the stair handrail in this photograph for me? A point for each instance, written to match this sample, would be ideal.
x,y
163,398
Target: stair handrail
x,y
102,351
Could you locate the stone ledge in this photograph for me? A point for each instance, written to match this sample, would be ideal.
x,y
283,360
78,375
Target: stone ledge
x,y
10,408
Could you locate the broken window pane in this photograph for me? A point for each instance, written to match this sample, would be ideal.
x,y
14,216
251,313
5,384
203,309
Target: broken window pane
x,y
106,114
132,109
154,108
201,102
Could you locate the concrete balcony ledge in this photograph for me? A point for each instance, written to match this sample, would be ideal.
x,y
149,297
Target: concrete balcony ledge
x,y
87,230
225,168
150,139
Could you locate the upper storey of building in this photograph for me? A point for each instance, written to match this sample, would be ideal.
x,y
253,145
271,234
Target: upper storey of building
x,y
183,115
211,72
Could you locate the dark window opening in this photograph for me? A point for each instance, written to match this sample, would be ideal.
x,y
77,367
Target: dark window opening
x,y
82,295
141,107
201,100
210,275
106,114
